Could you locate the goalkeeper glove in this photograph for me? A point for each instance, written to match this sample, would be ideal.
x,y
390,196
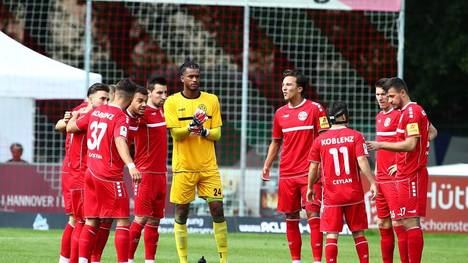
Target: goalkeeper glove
x,y
199,117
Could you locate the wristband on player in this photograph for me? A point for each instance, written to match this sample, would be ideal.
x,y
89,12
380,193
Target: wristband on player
x,y
131,165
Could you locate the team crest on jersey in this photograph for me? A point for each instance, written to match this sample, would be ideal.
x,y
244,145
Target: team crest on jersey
x,y
202,107
123,131
387,122
302,116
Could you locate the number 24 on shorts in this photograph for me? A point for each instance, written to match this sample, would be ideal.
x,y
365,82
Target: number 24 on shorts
x,y
217,191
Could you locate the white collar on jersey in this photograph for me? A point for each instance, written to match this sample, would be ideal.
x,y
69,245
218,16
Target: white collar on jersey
x,y
130,114
387,112
297,106
409,103
335,127
153,107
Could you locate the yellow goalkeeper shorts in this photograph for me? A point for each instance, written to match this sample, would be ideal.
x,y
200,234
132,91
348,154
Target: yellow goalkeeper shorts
x,y
208,185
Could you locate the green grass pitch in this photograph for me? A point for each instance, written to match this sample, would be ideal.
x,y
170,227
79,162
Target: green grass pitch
x,y
25,245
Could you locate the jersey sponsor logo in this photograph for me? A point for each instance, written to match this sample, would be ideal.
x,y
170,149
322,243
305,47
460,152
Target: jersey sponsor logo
x,y
181,109
338,140
123,131
324,122
387,122
412,128
94,155
285,115
302,116
364,146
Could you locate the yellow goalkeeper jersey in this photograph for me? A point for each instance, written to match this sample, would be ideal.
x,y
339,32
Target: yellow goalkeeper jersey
x,y
194,153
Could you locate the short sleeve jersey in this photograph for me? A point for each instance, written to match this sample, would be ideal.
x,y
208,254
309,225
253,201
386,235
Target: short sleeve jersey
x,y
78,150
133,125
298,127
193,153
106,122
386,124
413,123
337,151
151,142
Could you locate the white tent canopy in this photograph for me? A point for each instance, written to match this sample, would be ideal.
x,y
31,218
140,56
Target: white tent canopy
x,y
25,76
25,73
459,169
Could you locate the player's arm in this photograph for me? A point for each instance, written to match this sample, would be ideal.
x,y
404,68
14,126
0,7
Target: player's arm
x,y
408,145
273,150
313,177
180,133
124,152
71,125
367,172
61,124
432,132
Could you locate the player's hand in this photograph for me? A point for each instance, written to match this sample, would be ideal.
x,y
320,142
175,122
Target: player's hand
x,y
199,117
373,145
392,170
266,174
310,194
67,116
135,174
373,190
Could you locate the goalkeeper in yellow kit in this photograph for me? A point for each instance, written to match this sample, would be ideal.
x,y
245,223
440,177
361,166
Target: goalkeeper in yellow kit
x,y
194,120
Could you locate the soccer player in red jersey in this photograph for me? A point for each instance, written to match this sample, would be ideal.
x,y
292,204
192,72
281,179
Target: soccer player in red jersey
x,y
98,94
296,125
150,159
342,155
105,194
385,167
412,149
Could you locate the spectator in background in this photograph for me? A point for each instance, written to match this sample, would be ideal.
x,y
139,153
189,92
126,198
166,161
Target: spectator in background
x,y
16,150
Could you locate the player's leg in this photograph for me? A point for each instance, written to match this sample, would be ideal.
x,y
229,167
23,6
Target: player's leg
x,y
182,193
313,219
77,207
102,236
211,188
65,245
331,247
91,207
122,239
400,232
289,203
387,240
151,239
142,203
331,223
415,239
356,218
157,212
135,233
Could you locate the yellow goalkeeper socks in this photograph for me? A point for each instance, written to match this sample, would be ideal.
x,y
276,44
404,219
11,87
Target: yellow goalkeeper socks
x,y
180,233
220,233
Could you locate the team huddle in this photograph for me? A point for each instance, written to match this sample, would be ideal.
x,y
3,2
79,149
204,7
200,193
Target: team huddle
x,y
100,133
321,163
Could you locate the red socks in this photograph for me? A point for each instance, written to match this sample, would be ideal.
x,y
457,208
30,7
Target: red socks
x,y
294,238
362,249
101,240
122,242
415,244
316,238
151,241
135,233
331,250
402,243
66,241
87,238
387,243
75,242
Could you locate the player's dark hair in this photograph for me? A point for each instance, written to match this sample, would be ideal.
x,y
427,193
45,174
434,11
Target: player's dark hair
x,y
188,64
16,145
338,109
97,87
381,83
155,79
126,86
395,83
301,80
141,90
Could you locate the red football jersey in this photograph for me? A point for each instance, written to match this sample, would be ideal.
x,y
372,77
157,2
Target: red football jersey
x,y
337,150
151,142
106,122
413,123
133,124
386,124
78,150
298,127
